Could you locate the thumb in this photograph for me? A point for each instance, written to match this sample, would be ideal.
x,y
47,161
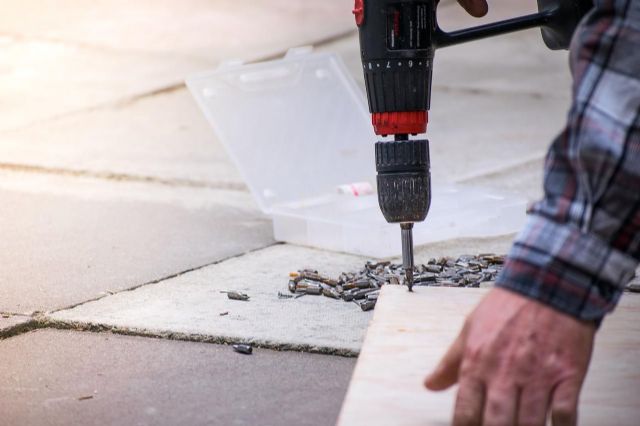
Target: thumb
x,y
446,373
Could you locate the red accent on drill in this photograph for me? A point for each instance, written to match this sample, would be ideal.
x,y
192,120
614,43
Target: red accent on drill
x,y
358,11
400,123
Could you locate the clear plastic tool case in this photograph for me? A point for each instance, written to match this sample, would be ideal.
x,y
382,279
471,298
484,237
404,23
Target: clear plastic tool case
x,y
299,131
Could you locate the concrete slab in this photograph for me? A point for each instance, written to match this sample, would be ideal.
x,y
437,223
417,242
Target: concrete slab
x,y
190,304
40,79
71,56
208,29
473,135
61,249
163,137
524,178
61,378
410,333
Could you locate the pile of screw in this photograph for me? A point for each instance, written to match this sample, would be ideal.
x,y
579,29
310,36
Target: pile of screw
x,y
363,287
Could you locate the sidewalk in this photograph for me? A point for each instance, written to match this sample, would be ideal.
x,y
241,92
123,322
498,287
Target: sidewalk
x,y
121,212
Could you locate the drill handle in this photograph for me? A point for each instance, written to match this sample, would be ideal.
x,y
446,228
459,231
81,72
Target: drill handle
x,y
558,20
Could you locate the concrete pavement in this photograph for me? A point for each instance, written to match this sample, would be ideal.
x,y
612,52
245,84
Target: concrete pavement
x,y
51,377
58,250
191,304
71,57
173,144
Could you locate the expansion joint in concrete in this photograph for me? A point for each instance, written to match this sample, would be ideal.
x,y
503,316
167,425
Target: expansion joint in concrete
x,y
186,337
21,328
493,92
165,278
41,321
122,177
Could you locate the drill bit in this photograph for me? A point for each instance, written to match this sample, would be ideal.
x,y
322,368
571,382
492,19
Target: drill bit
x,y
406,230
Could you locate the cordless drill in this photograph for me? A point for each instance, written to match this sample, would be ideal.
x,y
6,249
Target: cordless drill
x,y
398,39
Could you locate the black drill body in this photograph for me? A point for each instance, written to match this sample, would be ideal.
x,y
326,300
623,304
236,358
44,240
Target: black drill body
x,y
398,40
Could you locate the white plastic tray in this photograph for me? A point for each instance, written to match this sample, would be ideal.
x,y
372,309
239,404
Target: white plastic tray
x,y
297,128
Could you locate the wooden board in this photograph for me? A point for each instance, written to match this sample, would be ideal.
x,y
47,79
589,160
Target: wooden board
x,y
410,332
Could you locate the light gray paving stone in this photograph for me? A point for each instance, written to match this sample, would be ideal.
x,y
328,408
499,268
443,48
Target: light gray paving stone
x,y
65,246
191,304
209,29
164,137
482,134
40,80
76,56
63,378
524,178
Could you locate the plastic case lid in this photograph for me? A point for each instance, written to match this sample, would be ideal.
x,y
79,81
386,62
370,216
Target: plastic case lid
x,y
296,128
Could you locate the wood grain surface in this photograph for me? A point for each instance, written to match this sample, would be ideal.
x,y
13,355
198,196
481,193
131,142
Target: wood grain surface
x,y
411,331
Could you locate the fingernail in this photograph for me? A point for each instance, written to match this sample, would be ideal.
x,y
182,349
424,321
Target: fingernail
x,y
428,382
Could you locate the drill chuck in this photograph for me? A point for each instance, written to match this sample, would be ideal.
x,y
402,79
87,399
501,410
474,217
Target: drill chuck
x,y
404,180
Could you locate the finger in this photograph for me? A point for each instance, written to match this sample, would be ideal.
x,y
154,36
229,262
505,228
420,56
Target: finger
x,y
469,403
446,373
475,8
564,404
534,405
501,406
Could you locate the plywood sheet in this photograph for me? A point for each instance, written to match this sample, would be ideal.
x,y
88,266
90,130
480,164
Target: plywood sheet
x,y
410,332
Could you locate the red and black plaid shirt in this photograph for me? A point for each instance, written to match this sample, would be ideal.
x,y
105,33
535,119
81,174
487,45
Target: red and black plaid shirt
x,y
581,244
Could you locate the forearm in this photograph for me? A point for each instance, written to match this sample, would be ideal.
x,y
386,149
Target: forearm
x,y
582,241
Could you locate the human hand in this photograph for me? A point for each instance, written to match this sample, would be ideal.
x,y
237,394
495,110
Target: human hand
x,y
514,360
475,8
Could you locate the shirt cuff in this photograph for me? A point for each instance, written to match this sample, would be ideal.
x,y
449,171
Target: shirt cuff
x,y
574,272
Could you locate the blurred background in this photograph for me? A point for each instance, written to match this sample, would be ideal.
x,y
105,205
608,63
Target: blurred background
x,y
97,88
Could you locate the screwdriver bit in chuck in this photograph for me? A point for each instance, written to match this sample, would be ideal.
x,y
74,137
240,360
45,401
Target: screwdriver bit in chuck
x,y
406,230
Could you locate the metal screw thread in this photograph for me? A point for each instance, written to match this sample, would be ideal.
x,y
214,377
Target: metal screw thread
x,y
406,232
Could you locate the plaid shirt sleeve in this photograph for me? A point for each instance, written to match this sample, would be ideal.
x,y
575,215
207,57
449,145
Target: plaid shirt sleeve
x,y
581,243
